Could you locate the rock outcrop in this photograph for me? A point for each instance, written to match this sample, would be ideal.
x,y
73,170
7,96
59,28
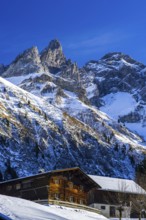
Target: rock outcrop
x,y
25,63
54,61
52,57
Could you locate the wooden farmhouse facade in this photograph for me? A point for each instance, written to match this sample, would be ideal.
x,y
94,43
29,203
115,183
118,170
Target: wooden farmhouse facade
x,y
70,185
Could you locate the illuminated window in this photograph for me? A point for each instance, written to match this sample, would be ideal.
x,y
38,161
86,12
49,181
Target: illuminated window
x,y
56,181
81,188
70,184
56,196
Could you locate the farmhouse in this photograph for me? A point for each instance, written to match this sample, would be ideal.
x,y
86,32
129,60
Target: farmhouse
x,y
70,185
112,196
116,194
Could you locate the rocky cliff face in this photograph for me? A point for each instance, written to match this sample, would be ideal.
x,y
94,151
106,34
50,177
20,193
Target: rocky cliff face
x,y
25,63
52,120
54,61
52,57
117,72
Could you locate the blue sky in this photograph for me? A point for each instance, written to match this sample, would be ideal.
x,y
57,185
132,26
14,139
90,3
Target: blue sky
x,y
87,29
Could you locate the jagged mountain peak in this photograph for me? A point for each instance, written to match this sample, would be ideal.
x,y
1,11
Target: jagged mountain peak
x,y
55,44
54,61
51,59
52,56
28,54
25,63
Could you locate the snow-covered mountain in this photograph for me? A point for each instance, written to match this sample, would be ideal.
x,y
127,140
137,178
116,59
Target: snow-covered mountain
x,y
51,118
118,86
27,62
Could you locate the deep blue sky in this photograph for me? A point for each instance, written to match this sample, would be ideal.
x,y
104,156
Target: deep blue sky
x,y
87,29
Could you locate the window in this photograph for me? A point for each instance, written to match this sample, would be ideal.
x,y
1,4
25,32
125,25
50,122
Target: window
x,y
9,188
71,199
112,211
56,181
18,186
27,184
70,184
102,207
81,202
56,196
81,188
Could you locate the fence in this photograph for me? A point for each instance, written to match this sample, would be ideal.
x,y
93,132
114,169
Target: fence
x,y
67,204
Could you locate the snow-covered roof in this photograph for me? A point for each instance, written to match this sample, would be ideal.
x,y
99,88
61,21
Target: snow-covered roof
x,y
118,185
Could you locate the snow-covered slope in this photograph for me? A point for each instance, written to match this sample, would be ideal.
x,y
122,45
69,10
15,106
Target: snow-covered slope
x,y
17,80
70,101
20,209
38,135
122,106
118,104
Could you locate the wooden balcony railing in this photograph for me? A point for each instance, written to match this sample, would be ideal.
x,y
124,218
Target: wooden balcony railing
x,y
67,204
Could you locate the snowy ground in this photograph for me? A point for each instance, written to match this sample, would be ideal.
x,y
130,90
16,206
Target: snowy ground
x,y
16,80
118,104
138,128
20,209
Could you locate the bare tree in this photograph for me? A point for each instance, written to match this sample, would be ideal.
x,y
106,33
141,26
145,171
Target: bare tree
x,y
139,204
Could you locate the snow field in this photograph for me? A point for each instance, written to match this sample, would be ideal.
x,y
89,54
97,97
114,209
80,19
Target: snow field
x,y
20,209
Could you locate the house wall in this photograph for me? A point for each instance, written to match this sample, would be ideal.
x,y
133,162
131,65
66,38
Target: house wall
x,y
31,189
61,188
98,198
108,197
110,211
